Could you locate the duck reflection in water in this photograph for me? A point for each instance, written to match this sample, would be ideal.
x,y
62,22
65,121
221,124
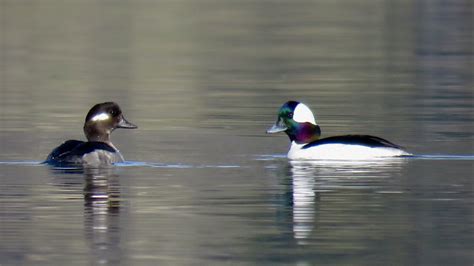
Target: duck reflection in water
x,y
102,210
102,215
303,197
309,181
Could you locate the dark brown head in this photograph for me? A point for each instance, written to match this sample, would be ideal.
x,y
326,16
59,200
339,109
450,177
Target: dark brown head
x,y
102,119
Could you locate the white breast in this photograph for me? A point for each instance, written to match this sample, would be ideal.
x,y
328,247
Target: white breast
x,y
102,157
342,152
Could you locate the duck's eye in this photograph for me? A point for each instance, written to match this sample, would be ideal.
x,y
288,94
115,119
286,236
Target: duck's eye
x,y
290,115
113,112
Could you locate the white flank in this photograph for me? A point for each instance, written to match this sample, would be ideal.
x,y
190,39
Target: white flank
x,y
303,114
342,152
100,117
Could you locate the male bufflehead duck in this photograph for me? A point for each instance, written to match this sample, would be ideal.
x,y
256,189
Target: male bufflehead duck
x,y
297,121
101,120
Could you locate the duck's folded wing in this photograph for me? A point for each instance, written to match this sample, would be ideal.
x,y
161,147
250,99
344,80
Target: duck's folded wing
x,y
63,149
71,151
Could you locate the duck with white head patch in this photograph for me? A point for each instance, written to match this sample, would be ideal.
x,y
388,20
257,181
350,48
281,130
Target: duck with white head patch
x,y
101,120
297,121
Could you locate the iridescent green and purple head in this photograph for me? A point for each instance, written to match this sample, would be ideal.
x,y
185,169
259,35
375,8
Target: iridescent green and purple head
x,y
297,121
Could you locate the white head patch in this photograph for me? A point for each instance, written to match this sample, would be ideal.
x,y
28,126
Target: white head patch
x,y
303,114
100,117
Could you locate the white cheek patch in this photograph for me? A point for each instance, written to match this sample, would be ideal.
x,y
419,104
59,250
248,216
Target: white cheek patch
x,y
303,114
100,117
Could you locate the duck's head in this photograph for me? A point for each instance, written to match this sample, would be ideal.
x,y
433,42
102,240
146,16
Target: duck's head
x,y
102,119
297,121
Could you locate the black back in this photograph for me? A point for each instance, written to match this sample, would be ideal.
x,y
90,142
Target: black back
x,y
364,140
71,149
62,149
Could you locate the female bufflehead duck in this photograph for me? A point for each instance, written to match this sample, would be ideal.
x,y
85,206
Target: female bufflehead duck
x,y
297,121
101,120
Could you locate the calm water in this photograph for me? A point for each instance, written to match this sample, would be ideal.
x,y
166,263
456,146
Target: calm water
x,y
203,80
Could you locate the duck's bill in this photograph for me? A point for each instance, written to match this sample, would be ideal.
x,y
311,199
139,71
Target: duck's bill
x,y
125,124
276,128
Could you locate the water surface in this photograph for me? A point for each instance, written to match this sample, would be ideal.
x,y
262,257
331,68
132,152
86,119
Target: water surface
x,y
203,184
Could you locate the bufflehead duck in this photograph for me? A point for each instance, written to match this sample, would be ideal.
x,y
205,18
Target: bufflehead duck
x,y
297,121
100,121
